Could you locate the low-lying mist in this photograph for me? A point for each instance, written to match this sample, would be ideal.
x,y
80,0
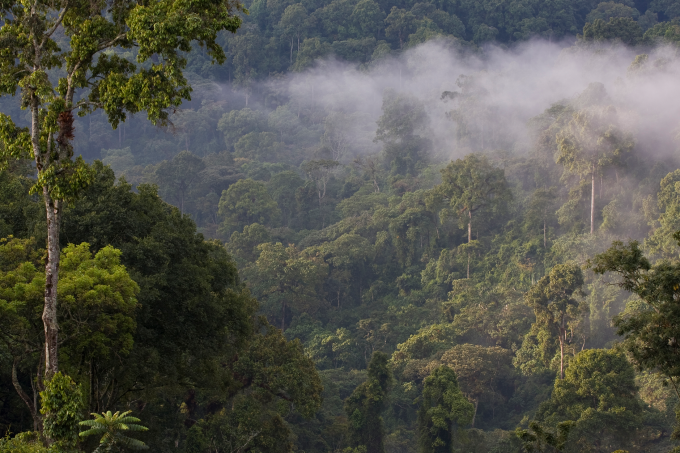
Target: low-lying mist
x,y
501,90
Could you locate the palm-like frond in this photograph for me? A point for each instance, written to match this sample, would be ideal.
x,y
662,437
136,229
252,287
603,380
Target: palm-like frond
x,y
111,427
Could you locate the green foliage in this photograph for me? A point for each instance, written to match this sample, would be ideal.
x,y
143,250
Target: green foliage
x,y
62,405
598,396
113,428
403,130
443,412
539,439
28,442
557,307
99,303
473,184
272,377
665,32
647,323
286,279
178,175
608,10
245,203
99,289
479,371
281,367
351,246
366,404
620,27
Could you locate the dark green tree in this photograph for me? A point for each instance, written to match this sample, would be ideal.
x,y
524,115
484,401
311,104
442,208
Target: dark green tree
x,y
649,325
473,184
443,412
623,29
237,123
400,23
292,25
598,396
609,10
282,187
366,404
592,141
285,279
193,310
177,176
247,202
79,40
400,127
556,306
368,17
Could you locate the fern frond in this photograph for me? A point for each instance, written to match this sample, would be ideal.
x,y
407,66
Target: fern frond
x,y
129,420
92,432
111,427
134,444
91,423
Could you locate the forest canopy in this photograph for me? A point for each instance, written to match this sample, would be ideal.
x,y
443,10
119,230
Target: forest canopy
x,y
340,226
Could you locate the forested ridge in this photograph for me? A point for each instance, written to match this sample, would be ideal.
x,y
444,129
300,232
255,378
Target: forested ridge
x,y
347,226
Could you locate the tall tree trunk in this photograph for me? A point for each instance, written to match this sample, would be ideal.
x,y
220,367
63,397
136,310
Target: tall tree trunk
x,y
562,340
53,208
474,415
468,266
545,242
561,359
469,240
592,201
49,315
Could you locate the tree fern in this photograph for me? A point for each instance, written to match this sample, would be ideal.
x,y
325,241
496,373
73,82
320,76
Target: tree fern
x,y
112,428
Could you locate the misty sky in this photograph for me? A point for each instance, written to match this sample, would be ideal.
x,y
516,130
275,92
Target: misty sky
x,y
520,83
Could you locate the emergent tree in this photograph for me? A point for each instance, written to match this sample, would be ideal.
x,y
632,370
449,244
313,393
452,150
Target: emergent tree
x,y
62,57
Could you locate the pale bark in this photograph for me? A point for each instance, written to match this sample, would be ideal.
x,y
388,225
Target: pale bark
x,y
469,240
561,359
469,226
49,315
474,415
562,331
592,201
545,242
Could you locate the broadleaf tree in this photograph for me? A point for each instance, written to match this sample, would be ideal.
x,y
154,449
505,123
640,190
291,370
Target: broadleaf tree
x,y
555,305
84,72
443,410
593,141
